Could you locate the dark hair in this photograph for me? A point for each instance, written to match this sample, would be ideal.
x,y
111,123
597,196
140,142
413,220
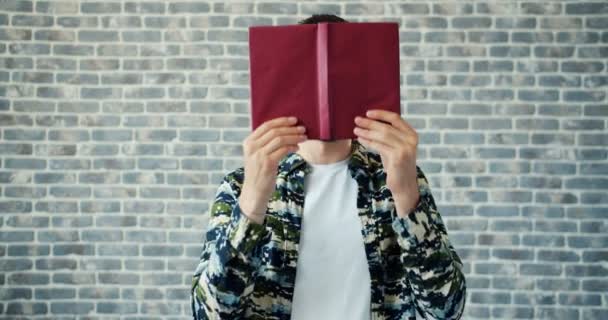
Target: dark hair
x,y
321,17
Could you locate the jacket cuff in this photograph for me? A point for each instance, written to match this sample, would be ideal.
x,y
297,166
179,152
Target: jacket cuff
x,y
243,233
416,230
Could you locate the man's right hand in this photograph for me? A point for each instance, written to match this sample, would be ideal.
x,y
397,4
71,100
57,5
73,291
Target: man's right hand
x,y
263,150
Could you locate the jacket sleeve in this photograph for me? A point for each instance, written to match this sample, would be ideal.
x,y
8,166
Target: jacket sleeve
x,y
434,269
223,278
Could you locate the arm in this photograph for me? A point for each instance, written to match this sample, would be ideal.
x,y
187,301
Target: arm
x,y
223,278
434,269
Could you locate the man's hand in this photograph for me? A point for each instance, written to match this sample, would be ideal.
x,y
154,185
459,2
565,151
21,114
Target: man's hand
x,y
396,142
263,150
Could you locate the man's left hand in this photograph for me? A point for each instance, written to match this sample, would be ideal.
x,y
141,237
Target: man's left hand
x,y
396,142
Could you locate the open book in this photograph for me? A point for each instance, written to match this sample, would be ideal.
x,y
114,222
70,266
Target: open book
x,y
324,74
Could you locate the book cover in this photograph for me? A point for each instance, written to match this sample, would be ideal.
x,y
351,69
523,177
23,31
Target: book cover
x,y
325,74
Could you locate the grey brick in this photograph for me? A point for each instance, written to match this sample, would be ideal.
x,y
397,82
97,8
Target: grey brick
x,y
513,311
10,265
162,280
535,298
29,49
102,264
98,293
511,225
58,235
74,22
582,67
161,308
54,293
27,221
277,8
26,308
97,35
145,264
541,8
497,211
118,21
175,22
188,7
477,311
162,250
490,298
514,22
555,139
543,240
363,9
430,22
538,269
117,307
100,99
17,6
594,313
453,8
497,239
119,278
100,7
27,278
561,23
464,138
595,285
28,250
596,81
596,22
145,7
556,197
312,8
557,284
155,135
472,22
141,36
16,236
593,139
117,250
77,249
586,8
71,307
513,283
594,96
535,182
580,37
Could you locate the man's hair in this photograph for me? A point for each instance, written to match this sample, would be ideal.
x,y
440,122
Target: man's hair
x,y
321,17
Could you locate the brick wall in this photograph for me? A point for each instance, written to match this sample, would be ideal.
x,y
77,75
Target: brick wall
x,y
118,120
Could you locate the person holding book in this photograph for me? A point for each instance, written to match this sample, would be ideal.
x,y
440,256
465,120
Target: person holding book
x,y
328,229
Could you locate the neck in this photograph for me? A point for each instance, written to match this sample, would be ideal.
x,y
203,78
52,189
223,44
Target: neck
x,y
324,152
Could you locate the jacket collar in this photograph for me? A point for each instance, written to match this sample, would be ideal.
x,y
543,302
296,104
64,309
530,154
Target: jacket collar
x,y
359,163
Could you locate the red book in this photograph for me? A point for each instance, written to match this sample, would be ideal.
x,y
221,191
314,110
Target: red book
x,y
324,74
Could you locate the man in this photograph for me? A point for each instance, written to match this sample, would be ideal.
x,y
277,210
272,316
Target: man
x,y
368,244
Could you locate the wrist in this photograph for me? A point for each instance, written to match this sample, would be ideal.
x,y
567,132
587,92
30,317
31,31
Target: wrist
x,y
252,210
405,205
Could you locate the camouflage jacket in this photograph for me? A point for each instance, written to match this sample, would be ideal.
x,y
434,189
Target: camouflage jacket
x,y
248,270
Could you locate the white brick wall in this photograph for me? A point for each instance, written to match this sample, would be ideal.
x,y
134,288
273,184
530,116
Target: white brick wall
x,y
118,119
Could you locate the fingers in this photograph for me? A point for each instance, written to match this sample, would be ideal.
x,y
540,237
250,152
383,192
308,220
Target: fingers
x,y
388,116
393,118
376,130
382,148
266,126
278,154
282,141
278,131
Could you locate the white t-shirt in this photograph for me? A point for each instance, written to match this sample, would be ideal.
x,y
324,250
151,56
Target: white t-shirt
x,y
332,277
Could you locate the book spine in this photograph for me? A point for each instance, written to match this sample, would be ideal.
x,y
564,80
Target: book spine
x,y
322,82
